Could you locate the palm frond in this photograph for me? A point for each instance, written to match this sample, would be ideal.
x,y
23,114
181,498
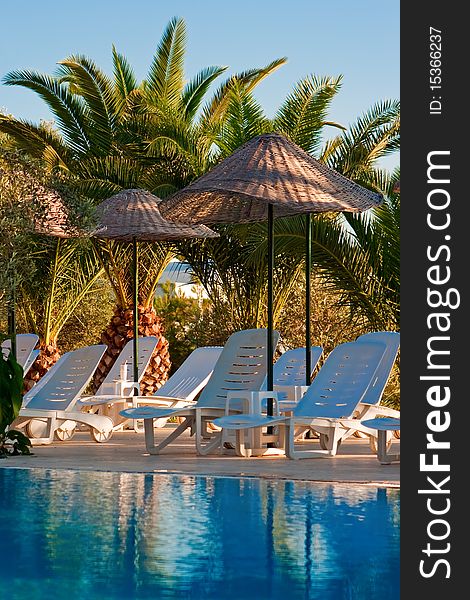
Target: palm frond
x,y
236,283
194,91
66,273
253,77
39,142
97,92
124,78
77,278
166,74
244,120
116,259
213,113
102,176
66,107
359,262
180,146
375,134
302,116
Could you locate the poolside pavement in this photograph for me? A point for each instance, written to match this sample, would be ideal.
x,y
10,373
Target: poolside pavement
x,y
126,452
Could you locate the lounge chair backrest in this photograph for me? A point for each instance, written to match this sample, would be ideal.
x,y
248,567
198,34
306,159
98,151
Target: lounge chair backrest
x,y
289,369
342,381
242,365
391,339
44,379
61,387
146,347
25,344
29,363
192,375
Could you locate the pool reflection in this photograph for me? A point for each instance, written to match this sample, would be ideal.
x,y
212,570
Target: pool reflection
x,y
121,535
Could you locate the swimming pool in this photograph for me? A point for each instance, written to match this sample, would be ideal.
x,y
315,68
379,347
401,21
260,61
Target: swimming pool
x,y
77,534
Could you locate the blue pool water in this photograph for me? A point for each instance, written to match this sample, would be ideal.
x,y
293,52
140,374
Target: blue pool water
x,y
107,536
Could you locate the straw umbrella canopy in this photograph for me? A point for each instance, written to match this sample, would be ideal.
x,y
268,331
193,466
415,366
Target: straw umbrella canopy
x,y
131,216
268,177
55,220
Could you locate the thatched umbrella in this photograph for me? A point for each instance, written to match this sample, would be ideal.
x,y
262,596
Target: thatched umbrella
x,y
132,216
55,220
268,177
50,219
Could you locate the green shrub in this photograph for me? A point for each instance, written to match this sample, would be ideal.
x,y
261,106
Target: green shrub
x,y
190,323
11,396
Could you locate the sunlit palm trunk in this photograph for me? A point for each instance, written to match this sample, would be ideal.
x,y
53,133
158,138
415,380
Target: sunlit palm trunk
x,y
115,258
120,331
49,354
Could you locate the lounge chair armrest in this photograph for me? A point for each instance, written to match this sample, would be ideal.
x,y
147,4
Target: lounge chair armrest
x,y
247,421
386,411
294,392
102,399
162,401
286,406
119,388
251,401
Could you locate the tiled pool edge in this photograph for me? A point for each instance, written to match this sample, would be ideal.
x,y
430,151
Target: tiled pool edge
x,y
268,477
126,453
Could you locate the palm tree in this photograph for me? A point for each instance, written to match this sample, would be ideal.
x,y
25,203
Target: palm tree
x,y
50,276
115,133
66,274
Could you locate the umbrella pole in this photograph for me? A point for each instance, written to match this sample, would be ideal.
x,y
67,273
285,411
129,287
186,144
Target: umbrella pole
x,y
308,267
136,311
270,349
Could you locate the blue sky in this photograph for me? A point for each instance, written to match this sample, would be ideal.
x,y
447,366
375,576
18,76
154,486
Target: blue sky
x,y
358,39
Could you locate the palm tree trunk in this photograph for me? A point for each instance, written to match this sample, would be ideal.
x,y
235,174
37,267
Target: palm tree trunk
x,y
49,354
119,331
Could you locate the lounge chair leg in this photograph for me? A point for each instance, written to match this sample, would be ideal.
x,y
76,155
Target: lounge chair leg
x,y
291,452
150,439
335,435
149,435
215,445
51,426
382,448
301,431
289,440
240,446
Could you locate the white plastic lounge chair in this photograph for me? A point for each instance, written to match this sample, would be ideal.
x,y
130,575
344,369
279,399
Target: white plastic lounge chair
x,y
391,339
25,352
370,407
178,391
241,366
52,399
117,381
288,380
29,363
384,426
327,407
289,374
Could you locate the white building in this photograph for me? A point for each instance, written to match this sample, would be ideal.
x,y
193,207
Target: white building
x,y
179,273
